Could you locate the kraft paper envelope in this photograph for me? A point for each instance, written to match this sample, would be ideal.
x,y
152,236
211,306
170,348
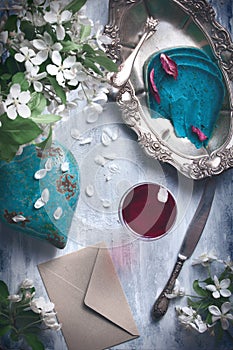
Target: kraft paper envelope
x,y
89,299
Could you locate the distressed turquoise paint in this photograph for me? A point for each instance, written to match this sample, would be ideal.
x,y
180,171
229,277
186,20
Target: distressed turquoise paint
x,y
19,190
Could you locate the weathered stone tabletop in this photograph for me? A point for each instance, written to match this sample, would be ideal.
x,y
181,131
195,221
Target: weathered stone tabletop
x,y
143,267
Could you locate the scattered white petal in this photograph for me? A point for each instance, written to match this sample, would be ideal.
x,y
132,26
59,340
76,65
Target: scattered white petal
x,y
58,213
90,191
40,174
39,203
110,156
105,138
162,195
108,178
45,195
18,218
75,133
49,164
114,168
100,160
106,203
65,167
85,141
115,133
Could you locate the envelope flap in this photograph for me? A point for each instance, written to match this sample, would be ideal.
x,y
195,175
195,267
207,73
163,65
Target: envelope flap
x,y
105,294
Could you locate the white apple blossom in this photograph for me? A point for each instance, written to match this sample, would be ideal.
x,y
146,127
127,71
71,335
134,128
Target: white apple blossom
x,y
219,288
33,77
36,18
61,69
51,321
45,45
228,263
27,284
101,39
28,56
57,17
222,314
204,259
16,103
15,298
190,318
177,291
40,306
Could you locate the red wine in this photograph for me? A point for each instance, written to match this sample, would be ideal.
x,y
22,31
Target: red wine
x,y
149,210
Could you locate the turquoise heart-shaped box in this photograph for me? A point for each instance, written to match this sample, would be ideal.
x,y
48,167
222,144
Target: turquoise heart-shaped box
x,y
20,190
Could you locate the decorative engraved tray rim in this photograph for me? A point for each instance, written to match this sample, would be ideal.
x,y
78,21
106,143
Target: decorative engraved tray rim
x,y
195,167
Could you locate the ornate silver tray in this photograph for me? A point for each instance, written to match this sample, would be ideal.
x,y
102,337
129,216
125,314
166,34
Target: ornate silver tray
x,y
181,23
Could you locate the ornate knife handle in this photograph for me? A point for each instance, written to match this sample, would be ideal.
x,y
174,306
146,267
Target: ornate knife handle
x,y
161,305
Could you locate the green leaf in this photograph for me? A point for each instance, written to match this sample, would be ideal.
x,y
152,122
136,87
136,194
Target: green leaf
x,y
107,63
46,118
19,78
40,105
70,46
34,342
11,23
47,142
29,30
3,321
75,5
88,63
4,330
13,66
199,290
5,76
58,89
89,50
4,292
18,131
84,32
8,151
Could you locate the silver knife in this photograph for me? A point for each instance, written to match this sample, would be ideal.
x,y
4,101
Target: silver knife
x,y
190,241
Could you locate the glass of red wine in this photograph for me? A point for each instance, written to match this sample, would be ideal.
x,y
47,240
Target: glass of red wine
x,y
148,210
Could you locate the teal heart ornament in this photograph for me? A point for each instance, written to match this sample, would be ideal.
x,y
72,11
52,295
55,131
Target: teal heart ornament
x,y
39,191
192,100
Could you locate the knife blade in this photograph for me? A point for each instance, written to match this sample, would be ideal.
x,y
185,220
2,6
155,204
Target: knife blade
x,y
189,243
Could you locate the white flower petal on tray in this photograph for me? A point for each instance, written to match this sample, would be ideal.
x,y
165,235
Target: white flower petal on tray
x,y
40,174
105,138
106,203
65,167
48,164
39,203
85,141
75,133
115,133
90,191
100,160
45,195
58,213
19,218
162,195
114,168
110,156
